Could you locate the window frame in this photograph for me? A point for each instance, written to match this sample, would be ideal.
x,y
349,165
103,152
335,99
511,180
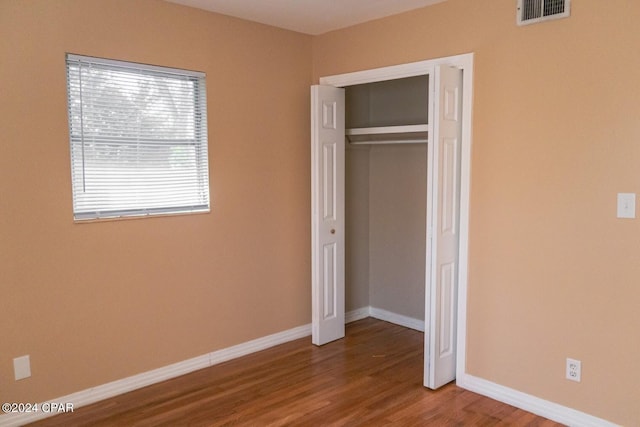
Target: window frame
x,y
199,192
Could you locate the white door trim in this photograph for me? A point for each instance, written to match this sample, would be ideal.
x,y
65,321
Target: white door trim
x,y
465,63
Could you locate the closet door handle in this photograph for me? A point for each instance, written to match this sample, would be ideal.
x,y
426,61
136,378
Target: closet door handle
x,y
333,231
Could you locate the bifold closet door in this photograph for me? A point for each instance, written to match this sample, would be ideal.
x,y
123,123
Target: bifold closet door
x,y
327,213
440,345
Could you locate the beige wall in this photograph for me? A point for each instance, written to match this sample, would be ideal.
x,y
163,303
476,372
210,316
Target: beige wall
x,y
552,273
92,303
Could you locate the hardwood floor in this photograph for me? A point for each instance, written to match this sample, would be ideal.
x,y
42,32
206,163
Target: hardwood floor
x,y
372,377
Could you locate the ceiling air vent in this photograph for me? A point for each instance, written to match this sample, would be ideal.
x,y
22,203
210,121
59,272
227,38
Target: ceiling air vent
x,y
533,11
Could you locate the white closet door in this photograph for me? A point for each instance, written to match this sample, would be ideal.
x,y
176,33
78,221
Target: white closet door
x,y
327,213
440,345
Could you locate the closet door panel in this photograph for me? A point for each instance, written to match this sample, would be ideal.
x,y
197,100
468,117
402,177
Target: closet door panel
x,y
440,365
327,213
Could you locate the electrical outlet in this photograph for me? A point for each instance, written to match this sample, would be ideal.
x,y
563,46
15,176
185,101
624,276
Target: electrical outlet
x,y
626,205
574,370
22,367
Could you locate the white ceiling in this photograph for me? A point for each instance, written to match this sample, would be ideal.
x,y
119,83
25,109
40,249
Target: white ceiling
x,y
308,16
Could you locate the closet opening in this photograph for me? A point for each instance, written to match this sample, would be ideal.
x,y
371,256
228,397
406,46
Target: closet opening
x,y
366,141
386,127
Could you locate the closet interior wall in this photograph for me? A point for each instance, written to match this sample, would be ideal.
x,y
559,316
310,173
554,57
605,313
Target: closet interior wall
x,y
386,188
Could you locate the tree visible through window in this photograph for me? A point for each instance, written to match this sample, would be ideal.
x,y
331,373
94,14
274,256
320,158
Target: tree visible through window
x,y
138,137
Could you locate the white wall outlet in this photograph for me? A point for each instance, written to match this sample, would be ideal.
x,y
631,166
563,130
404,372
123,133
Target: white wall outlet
x,y
626,205
22,367
574,370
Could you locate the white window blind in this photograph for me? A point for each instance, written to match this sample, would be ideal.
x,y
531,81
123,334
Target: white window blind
x,y
138,136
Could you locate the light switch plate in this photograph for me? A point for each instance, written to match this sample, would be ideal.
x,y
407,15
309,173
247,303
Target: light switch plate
x,y
626,205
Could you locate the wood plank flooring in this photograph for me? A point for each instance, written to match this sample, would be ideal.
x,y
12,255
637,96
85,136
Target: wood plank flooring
x,y
372,377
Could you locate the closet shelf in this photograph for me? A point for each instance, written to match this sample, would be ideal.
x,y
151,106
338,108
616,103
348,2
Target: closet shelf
x,y
388,129
409,134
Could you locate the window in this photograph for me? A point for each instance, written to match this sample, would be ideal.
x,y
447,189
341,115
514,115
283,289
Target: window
x,y
138,136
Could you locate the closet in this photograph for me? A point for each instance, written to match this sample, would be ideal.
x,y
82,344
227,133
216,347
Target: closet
x,y
390,156
385,198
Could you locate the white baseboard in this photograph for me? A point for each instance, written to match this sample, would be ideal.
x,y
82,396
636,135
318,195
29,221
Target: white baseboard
x,y
105,391
398,319
387,316
357,314
544,408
